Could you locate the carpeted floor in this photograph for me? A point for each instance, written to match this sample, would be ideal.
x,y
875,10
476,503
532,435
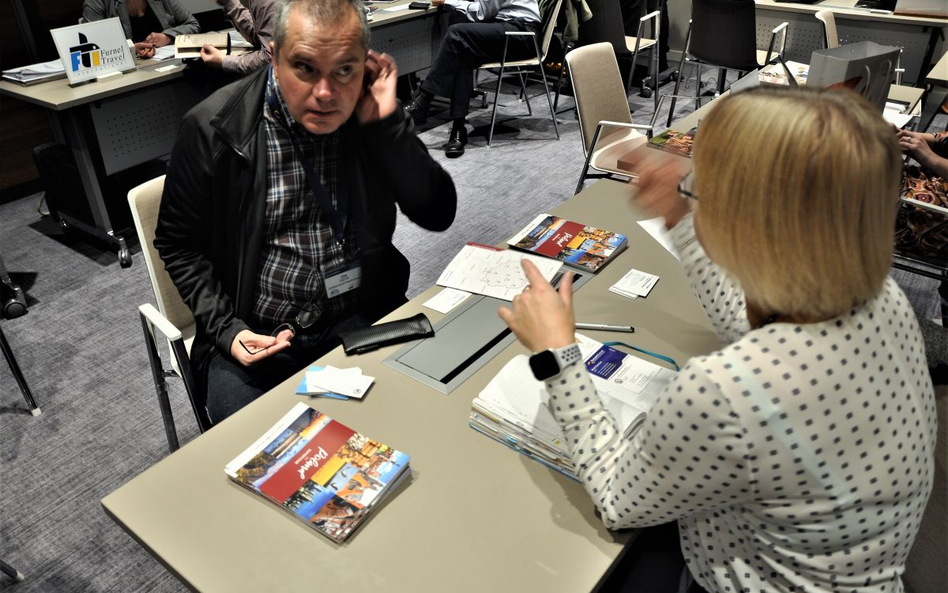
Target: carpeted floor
x,y
81,349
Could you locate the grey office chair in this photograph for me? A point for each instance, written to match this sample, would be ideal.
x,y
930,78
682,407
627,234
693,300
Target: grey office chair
x,y
521,67
172,318
737,50
602,108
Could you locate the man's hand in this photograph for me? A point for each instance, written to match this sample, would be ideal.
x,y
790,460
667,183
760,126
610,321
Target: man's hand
x,y
158,39
437,3
542,317
658,178
378,99
261,346
144,50
212,56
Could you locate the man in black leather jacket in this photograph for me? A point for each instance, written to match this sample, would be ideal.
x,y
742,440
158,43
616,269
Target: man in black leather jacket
x,y
245,233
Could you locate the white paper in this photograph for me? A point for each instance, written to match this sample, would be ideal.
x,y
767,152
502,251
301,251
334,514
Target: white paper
x,y
398,8
167,68
495,273
656,228
635,282
165,52
897,118
349,382
446,300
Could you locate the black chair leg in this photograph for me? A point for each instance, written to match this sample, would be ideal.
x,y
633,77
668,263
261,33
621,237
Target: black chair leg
x,y
18,375
11,572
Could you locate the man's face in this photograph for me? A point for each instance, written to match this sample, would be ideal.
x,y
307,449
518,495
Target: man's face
x,y
320,69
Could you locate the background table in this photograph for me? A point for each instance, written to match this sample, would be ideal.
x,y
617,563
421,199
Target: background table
x,y
918,35
475,516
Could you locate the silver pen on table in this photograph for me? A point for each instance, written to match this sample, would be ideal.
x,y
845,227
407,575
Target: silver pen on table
x,y
606,327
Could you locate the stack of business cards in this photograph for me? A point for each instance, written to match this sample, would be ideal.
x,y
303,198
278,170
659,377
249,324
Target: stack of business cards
x,y
634,284
335,383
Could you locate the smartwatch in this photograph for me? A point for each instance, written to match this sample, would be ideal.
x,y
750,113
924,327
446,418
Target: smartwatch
x,y
550,363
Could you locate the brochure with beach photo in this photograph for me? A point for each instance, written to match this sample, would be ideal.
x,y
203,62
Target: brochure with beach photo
x,y
575,244
320,470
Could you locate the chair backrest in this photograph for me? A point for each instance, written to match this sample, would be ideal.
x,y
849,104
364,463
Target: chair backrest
x,y
604,26
830,35
549,24
144,201
597,88
724,33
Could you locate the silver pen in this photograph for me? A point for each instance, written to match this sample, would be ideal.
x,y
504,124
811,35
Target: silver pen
x,y
606,327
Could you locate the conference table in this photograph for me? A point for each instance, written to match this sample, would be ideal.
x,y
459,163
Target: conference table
x,y
475,516
123,121
917,34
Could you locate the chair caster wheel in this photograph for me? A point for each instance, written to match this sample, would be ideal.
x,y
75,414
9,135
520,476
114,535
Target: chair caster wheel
x,y
125,258
13,309
646,92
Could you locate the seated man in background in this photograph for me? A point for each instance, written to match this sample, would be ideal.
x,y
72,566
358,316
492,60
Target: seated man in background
x,y
281,197
468,45
148,23
254,24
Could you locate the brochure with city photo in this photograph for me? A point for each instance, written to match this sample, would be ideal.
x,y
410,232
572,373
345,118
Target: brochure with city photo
x,y
680,143
584,247
321,471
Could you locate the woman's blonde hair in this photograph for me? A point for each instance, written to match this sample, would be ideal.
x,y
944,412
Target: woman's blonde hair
x,y
797,197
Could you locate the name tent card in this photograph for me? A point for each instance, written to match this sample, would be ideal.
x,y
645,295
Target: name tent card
x,y
91,50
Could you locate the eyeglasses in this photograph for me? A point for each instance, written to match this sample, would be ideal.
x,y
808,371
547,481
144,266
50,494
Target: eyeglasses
x,y
686,186
280,328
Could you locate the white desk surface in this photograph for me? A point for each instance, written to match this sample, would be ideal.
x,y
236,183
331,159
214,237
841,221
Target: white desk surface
x,y
475,516
939,73
845,9
58,95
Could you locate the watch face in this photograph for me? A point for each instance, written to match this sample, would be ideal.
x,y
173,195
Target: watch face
x,y
544,365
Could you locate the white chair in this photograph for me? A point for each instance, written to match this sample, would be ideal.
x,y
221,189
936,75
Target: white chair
x,y
601,103
172,318
640,43
830,36
521,67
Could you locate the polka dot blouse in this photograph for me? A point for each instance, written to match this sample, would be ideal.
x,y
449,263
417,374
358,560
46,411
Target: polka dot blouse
x,y
798,458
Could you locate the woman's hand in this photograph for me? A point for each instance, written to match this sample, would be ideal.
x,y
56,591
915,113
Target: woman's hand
x,y
657,183
542,317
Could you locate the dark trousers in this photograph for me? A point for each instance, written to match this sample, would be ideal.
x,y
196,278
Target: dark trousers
x,y
231,386
653,564
467,46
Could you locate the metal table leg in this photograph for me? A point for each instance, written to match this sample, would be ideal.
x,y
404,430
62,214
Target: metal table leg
x,y
18,375
74,137
11,572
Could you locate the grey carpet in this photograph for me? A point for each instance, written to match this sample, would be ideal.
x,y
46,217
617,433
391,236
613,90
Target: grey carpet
x,y
81,349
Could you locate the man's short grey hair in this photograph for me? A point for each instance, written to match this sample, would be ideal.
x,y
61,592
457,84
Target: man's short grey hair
x,y
321,11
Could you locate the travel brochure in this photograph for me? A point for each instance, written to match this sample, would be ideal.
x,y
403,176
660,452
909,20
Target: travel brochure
x,y
680,143
587,248
320,470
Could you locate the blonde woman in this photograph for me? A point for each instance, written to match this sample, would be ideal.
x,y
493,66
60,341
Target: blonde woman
x,y
798,457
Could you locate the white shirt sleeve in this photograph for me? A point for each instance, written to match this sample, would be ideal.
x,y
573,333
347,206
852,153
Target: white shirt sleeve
x,y
479,11
652,478
719,294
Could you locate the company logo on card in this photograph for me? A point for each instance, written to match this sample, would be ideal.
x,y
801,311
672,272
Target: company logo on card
x,y
605,362
89,55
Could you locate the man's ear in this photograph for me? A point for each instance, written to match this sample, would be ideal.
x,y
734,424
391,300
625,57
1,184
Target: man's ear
x,y
273,58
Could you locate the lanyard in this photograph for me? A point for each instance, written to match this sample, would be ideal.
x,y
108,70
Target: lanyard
x,y
335,216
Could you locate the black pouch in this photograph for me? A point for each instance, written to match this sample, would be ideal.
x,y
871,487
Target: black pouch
x,y
366,339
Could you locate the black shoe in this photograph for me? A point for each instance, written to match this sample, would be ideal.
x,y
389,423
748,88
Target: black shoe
x,y
417,112
455,145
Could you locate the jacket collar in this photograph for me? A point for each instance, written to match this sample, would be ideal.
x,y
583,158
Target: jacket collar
x,y
239,117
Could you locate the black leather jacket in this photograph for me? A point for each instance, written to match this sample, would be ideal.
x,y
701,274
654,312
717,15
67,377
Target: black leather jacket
x,y
210,225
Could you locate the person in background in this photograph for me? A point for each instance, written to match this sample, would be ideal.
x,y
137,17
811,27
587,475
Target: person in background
x,y
799,456
254,24
148,23
279,207
466,46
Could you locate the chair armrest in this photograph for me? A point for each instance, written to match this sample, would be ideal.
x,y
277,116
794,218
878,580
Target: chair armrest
x,y
520,33
781,28
160,322
620,124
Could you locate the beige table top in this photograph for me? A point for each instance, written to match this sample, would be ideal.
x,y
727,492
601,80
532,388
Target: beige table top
x,y
58,95
475,516
846,9
939,73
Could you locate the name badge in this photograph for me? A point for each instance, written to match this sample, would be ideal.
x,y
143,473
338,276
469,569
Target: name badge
x,y
343,280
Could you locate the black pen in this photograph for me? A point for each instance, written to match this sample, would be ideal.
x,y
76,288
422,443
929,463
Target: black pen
x,y
606,327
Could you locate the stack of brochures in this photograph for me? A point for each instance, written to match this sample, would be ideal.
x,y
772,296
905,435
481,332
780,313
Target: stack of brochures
x,y
578,245
512,408
321,471
36,73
